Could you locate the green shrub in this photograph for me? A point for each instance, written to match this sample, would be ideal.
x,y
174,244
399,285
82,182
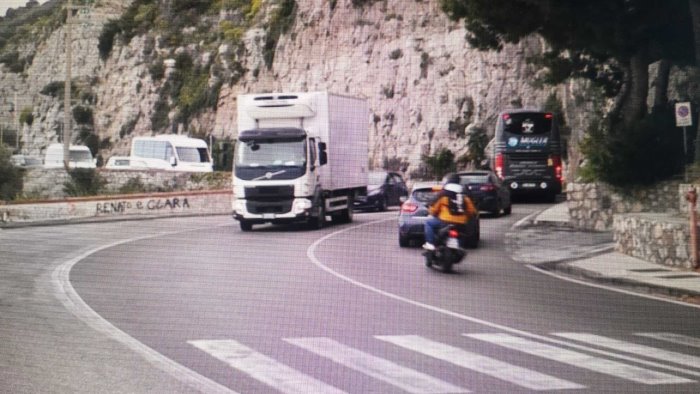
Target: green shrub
x,y
105,42
26,116
88,138
13,61
396,54
159,118
646,151
11,177
361,3
53,89
157,70
439,164
84,182
133,186
280,22
83,115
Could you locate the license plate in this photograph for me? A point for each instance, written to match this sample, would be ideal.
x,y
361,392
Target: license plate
x,y
452,243
268,215
529,185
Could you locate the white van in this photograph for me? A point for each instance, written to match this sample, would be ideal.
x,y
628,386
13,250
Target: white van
x,y
126,163
173,152
80,157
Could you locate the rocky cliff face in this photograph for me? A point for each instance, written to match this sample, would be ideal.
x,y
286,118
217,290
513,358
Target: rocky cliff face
x,y
426,87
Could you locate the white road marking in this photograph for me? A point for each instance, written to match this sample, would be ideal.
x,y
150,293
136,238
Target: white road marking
x,y
310,252
581,360
498,369
405,378
72,301
610,288
263,368
629,347
673,338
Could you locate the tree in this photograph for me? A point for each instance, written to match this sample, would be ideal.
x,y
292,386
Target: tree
x,y
611,42
11,177
695,14
439,164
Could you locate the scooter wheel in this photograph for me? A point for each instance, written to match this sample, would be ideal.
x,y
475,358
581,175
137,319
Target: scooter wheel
x,y
428,260
447,267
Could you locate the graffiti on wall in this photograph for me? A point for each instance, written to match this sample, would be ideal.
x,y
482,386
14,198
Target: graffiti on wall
x,y
156,204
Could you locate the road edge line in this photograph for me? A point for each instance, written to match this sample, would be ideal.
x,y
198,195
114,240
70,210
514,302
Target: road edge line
x,y
71,300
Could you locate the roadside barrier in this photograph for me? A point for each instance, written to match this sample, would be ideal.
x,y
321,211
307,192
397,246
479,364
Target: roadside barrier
x,y
79,209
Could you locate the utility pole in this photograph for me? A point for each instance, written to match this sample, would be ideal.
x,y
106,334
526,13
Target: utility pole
x,y
16,124
67,85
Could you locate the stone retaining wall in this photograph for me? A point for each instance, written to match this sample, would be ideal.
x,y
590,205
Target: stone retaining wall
x,y
593,205
43,183
656,238
116,207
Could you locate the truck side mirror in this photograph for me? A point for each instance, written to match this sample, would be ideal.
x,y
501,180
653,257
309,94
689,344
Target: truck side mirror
x,y
173,161
322,155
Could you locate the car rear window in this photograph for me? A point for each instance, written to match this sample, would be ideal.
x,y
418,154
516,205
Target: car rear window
x,y
478,178
424,195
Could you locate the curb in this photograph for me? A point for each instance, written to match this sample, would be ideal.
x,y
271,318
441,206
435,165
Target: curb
x,y
630,284
561,266
65,222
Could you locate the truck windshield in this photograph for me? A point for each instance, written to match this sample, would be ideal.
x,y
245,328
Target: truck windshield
x,y
192,155
270,159
271,154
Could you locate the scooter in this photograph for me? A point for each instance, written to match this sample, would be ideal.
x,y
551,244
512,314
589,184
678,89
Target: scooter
x,y
447,249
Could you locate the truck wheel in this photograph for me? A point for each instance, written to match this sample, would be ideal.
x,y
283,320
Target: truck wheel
x,y
319,221
245,226
346,215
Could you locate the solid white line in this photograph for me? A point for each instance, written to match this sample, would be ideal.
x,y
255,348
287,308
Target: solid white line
x,y
581,360
310,254
65,293
498,369
263,368
610,288
671,337
405,378
629,347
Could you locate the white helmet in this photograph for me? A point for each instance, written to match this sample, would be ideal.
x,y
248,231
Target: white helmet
x,y
453,187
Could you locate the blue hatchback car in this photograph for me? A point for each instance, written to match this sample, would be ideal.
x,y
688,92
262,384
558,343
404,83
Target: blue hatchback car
x,y
414,214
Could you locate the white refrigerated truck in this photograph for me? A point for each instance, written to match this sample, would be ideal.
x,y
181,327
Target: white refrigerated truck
x,y
299,157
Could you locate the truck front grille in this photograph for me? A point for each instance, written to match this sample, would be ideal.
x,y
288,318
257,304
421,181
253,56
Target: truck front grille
x,y
266,193
262,207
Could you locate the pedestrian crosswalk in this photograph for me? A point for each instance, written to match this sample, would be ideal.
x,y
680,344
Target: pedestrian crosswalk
x,y
458,353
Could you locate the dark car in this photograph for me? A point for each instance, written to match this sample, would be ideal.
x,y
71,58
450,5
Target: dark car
x,y
487,191
384,189
414,214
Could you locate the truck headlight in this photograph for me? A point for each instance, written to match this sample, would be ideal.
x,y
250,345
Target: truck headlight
x,y
301,205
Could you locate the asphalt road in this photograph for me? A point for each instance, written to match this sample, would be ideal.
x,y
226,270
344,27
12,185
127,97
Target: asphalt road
x,y
196,305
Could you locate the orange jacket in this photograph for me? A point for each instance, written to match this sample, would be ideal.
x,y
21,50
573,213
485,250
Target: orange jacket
x,y
440,209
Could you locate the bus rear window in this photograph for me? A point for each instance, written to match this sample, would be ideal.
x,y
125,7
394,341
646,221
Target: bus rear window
x,y
527,123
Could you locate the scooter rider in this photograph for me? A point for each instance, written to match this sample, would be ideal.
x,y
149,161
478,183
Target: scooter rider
x,y
451,206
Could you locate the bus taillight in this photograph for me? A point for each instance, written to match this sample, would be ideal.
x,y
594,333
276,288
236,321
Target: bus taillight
x,y
555,161
499,165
